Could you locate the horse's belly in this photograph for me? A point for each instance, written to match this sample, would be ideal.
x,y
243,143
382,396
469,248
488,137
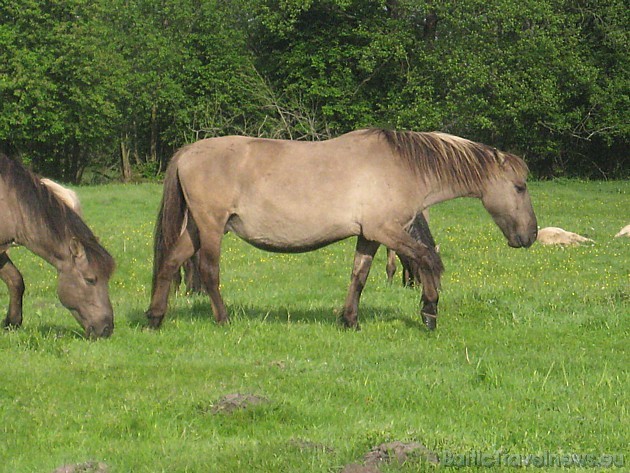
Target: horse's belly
x,y
287,235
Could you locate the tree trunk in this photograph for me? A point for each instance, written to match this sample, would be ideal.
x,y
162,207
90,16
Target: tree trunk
x,y
125,164
430,27
76,164
154,133
134,144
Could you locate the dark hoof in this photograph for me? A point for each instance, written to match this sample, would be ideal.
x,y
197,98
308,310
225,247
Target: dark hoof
x,y
9,325
429,320
350,325
356,327
154,322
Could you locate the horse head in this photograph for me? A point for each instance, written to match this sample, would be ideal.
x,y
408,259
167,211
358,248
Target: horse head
x,y
82,286
506,198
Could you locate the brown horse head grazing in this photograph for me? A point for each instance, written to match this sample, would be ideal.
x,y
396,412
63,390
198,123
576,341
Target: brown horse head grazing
x,y
34,217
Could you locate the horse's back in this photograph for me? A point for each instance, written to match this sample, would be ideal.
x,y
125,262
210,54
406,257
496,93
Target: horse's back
x,y
244,167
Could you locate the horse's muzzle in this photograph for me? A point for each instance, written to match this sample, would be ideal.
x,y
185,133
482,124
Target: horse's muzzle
x,y
520,241
103,332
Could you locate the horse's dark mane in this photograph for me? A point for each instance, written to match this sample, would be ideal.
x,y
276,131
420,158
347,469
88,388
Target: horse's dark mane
x,y
449,158
41,206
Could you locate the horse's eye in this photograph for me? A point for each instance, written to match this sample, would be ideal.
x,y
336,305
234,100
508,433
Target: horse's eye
x,y
520,188
91,281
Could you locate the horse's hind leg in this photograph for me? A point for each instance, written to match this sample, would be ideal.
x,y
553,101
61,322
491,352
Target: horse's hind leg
x,y
183,249
15,283
192,278
363,257
209,257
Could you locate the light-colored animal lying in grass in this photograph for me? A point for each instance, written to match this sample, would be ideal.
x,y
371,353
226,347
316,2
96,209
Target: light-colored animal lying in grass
x,y
624,232
558,236
67,196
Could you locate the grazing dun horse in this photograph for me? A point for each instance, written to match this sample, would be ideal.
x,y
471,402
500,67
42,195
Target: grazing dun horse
x,y
292,196
35,217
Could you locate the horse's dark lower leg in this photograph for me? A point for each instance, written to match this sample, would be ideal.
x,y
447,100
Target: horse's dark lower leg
x,y
177,279
390,268
192,276
425,262
181,251
408,272
209,256
430,298
363,257
15,284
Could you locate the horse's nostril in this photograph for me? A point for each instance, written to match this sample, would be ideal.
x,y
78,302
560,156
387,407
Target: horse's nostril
x,y
89,332
107,331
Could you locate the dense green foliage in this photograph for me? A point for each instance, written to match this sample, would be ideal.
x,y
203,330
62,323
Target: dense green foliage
x,y
530,355
119,84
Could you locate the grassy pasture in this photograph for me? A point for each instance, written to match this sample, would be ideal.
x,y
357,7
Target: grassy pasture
x,y
530,355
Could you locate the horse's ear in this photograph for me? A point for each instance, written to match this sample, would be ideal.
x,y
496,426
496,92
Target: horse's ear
x,y
500,157
76,248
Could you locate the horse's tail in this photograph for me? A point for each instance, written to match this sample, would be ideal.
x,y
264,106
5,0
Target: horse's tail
x,y
171,217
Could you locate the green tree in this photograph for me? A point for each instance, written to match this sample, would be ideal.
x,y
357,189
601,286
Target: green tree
x,y
546,79
58,85
333,61
125,82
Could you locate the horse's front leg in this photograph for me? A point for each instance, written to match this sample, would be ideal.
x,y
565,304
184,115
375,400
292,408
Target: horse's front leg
x,y
426,263
430,297
363,257
15,284
390,267
408,273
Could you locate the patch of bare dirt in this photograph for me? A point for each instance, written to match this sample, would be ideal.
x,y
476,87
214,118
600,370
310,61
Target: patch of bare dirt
x,y
237,401
308,445
356,468
393,452
87,467
400,452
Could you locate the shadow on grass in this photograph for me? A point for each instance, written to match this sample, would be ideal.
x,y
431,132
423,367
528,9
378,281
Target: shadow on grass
x,y
61,331
200,310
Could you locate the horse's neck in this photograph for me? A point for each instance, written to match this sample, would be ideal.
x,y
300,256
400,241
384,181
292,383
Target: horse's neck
x,y
440,193
20,226
38,241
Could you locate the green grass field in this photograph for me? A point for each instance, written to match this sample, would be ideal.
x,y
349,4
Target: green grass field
x,y
530,356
